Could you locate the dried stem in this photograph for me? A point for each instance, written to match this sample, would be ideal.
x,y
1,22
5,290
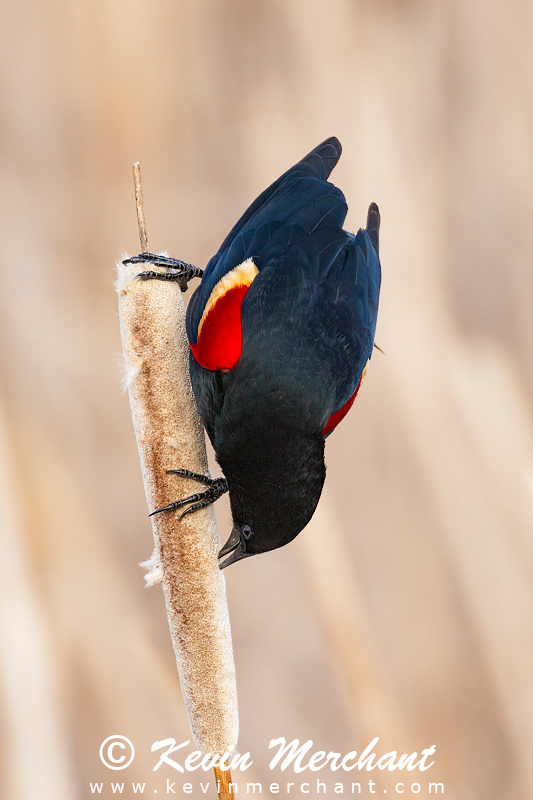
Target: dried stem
x,y
143,235
170,436
223,779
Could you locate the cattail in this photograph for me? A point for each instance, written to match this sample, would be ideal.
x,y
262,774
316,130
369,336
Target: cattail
x,y
170,436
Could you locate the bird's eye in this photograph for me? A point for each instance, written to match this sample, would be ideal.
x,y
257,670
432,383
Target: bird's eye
x,y
246,531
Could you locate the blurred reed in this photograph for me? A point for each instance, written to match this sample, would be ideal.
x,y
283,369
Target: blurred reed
x,y
405,611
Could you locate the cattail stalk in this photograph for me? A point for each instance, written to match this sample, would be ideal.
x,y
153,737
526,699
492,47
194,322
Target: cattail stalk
x,y
223,780
170,436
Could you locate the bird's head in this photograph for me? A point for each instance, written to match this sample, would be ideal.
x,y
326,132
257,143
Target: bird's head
x,y
274,489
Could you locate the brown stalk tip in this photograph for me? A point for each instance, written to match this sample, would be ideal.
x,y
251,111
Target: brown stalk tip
x,y
143,235
224,785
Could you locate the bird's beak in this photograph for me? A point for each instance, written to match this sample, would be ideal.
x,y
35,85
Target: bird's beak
x,y
234,549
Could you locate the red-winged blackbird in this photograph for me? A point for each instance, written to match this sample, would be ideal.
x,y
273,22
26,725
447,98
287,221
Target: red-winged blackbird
x,y
280,328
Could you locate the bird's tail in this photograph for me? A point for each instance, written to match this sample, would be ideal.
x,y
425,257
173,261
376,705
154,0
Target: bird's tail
x,y
372,225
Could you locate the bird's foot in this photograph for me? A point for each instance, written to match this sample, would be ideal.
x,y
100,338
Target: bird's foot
x,y
217,487
183,274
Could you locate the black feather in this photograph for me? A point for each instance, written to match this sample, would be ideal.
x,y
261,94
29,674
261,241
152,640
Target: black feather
x,y
308,324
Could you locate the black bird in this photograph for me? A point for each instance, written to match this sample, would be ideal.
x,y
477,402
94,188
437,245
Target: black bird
x,y
281,329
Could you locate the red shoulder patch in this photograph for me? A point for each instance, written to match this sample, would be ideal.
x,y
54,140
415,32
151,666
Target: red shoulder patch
x,y
335,418
219,342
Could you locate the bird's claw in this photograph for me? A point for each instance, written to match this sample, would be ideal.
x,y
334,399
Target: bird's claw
x,y
217,487
183,274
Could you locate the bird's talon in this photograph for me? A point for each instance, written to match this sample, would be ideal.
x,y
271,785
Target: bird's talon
x,y
196,507
183,272
140,258
170,507
216,488
148,275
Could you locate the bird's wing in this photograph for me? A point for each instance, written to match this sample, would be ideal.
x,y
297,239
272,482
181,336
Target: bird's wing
x,y
351,295
318,165
313,312
314,293
301,198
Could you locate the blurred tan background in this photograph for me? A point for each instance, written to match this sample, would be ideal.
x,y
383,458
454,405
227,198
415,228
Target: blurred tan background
x,y
405,610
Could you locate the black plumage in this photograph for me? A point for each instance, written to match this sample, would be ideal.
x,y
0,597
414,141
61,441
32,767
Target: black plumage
x,y
307,322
